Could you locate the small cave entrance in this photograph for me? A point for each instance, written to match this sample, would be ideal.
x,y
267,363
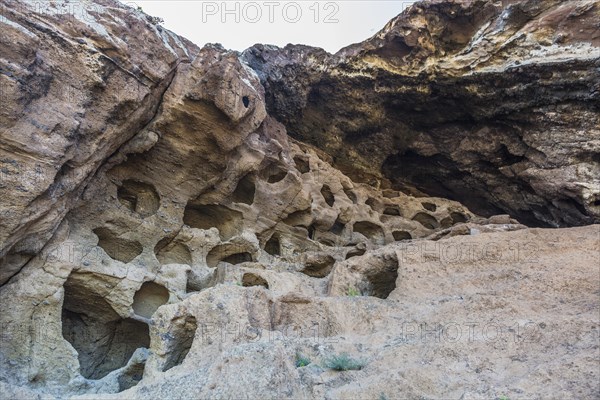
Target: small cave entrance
x,y
394,211
246,101
370,230
148,298
230,254
182,334
199,280
381,282
355,252
245,190
428,221
170,252
401,235
250,279
390,194
274,173
312,231
273,245
327,195
139,197
118,248
302,164
201,216
238,258
373,203
351,196
458,217
103,340
429,206
337,228
319,267
299,218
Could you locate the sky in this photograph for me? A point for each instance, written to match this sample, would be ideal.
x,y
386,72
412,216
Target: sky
x,y
238,25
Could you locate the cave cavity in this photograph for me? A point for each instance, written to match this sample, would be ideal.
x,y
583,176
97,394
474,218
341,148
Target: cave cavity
x,y
148,298
355,252
168,251
302,164
327,195
299,218
232,254
103,340
250,279
374,204
401,235
116,247
351,196
273,245
382,281
206,216
274,173
338,227
139,197
181,335
319,267
428,221
370,230
429,206
245,190
458,217
393,211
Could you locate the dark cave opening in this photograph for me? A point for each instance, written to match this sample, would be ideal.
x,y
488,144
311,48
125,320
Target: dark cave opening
x,y
438,176
245,190
182,337
103,340
370,231
249,279
273,246
226,253
381,282
206,216
327,195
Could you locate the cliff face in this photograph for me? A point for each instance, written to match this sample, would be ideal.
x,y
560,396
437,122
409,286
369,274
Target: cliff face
x,y
494,104
181,222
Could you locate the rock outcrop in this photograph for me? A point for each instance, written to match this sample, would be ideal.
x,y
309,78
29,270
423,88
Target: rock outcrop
x,y
494,104
164,235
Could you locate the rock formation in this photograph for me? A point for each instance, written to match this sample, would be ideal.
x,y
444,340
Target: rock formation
x,y
494,104
185,222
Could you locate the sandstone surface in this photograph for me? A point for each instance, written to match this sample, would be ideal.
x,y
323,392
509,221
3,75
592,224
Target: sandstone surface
x,y
185,222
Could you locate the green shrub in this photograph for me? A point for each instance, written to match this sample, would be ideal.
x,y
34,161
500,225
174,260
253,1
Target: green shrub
x,y
343,362
301,361
353,292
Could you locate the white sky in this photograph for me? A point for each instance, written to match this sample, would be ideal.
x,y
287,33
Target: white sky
x,y
238,25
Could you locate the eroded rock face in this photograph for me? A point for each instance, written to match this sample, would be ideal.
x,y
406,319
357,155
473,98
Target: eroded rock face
x,y
78,82
196,250
494,104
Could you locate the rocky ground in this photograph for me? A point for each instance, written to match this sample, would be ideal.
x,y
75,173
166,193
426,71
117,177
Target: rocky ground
x,y
184,222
